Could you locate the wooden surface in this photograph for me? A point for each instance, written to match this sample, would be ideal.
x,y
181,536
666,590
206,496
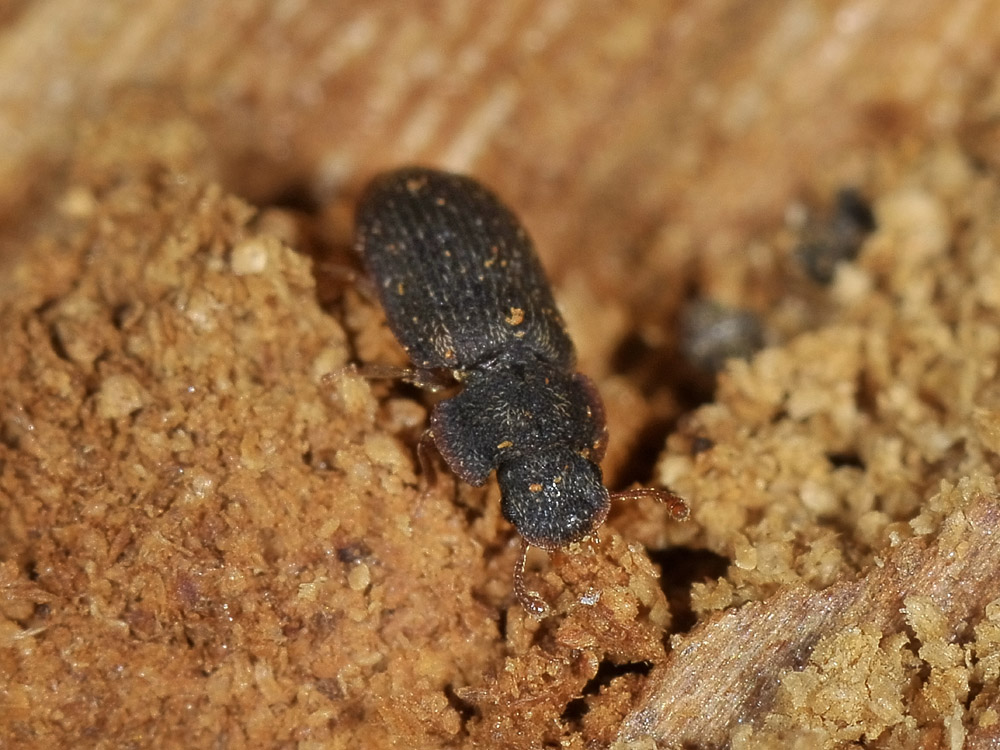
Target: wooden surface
x,y
654,150
663,130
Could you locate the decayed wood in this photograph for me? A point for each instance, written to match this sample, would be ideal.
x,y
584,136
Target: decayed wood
x,y
653,136
727,672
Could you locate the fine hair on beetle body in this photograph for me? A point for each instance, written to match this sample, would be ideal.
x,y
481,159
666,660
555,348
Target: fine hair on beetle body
x,y
464,293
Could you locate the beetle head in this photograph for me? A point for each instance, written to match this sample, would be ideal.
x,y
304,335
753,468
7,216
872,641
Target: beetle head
x,y
553,498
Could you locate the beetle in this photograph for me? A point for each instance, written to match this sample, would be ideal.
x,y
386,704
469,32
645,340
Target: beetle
x,y
465,295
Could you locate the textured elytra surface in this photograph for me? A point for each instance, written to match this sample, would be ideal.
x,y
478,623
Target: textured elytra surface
x,y
457,273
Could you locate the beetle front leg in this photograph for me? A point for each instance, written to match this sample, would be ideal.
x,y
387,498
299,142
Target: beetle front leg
x,y
531,600
429,380
425,448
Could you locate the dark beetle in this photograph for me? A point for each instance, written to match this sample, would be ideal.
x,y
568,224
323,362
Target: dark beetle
x,y
464,293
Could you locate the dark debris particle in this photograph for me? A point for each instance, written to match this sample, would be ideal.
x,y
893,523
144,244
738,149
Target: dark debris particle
x,y
711,333
701,444
847,459
838,238
353,553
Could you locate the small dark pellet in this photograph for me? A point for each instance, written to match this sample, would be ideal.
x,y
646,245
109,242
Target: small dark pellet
x,y
701,444
838,239
712,333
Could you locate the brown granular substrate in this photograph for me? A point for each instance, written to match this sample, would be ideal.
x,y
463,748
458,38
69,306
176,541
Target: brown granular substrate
x,y
213,533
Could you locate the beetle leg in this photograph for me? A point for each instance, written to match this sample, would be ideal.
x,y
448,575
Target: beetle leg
x,y
425,449
678,509
530,600
431,380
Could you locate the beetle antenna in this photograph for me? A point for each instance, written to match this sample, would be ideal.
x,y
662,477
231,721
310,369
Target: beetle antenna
x,y
678,509
530,600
